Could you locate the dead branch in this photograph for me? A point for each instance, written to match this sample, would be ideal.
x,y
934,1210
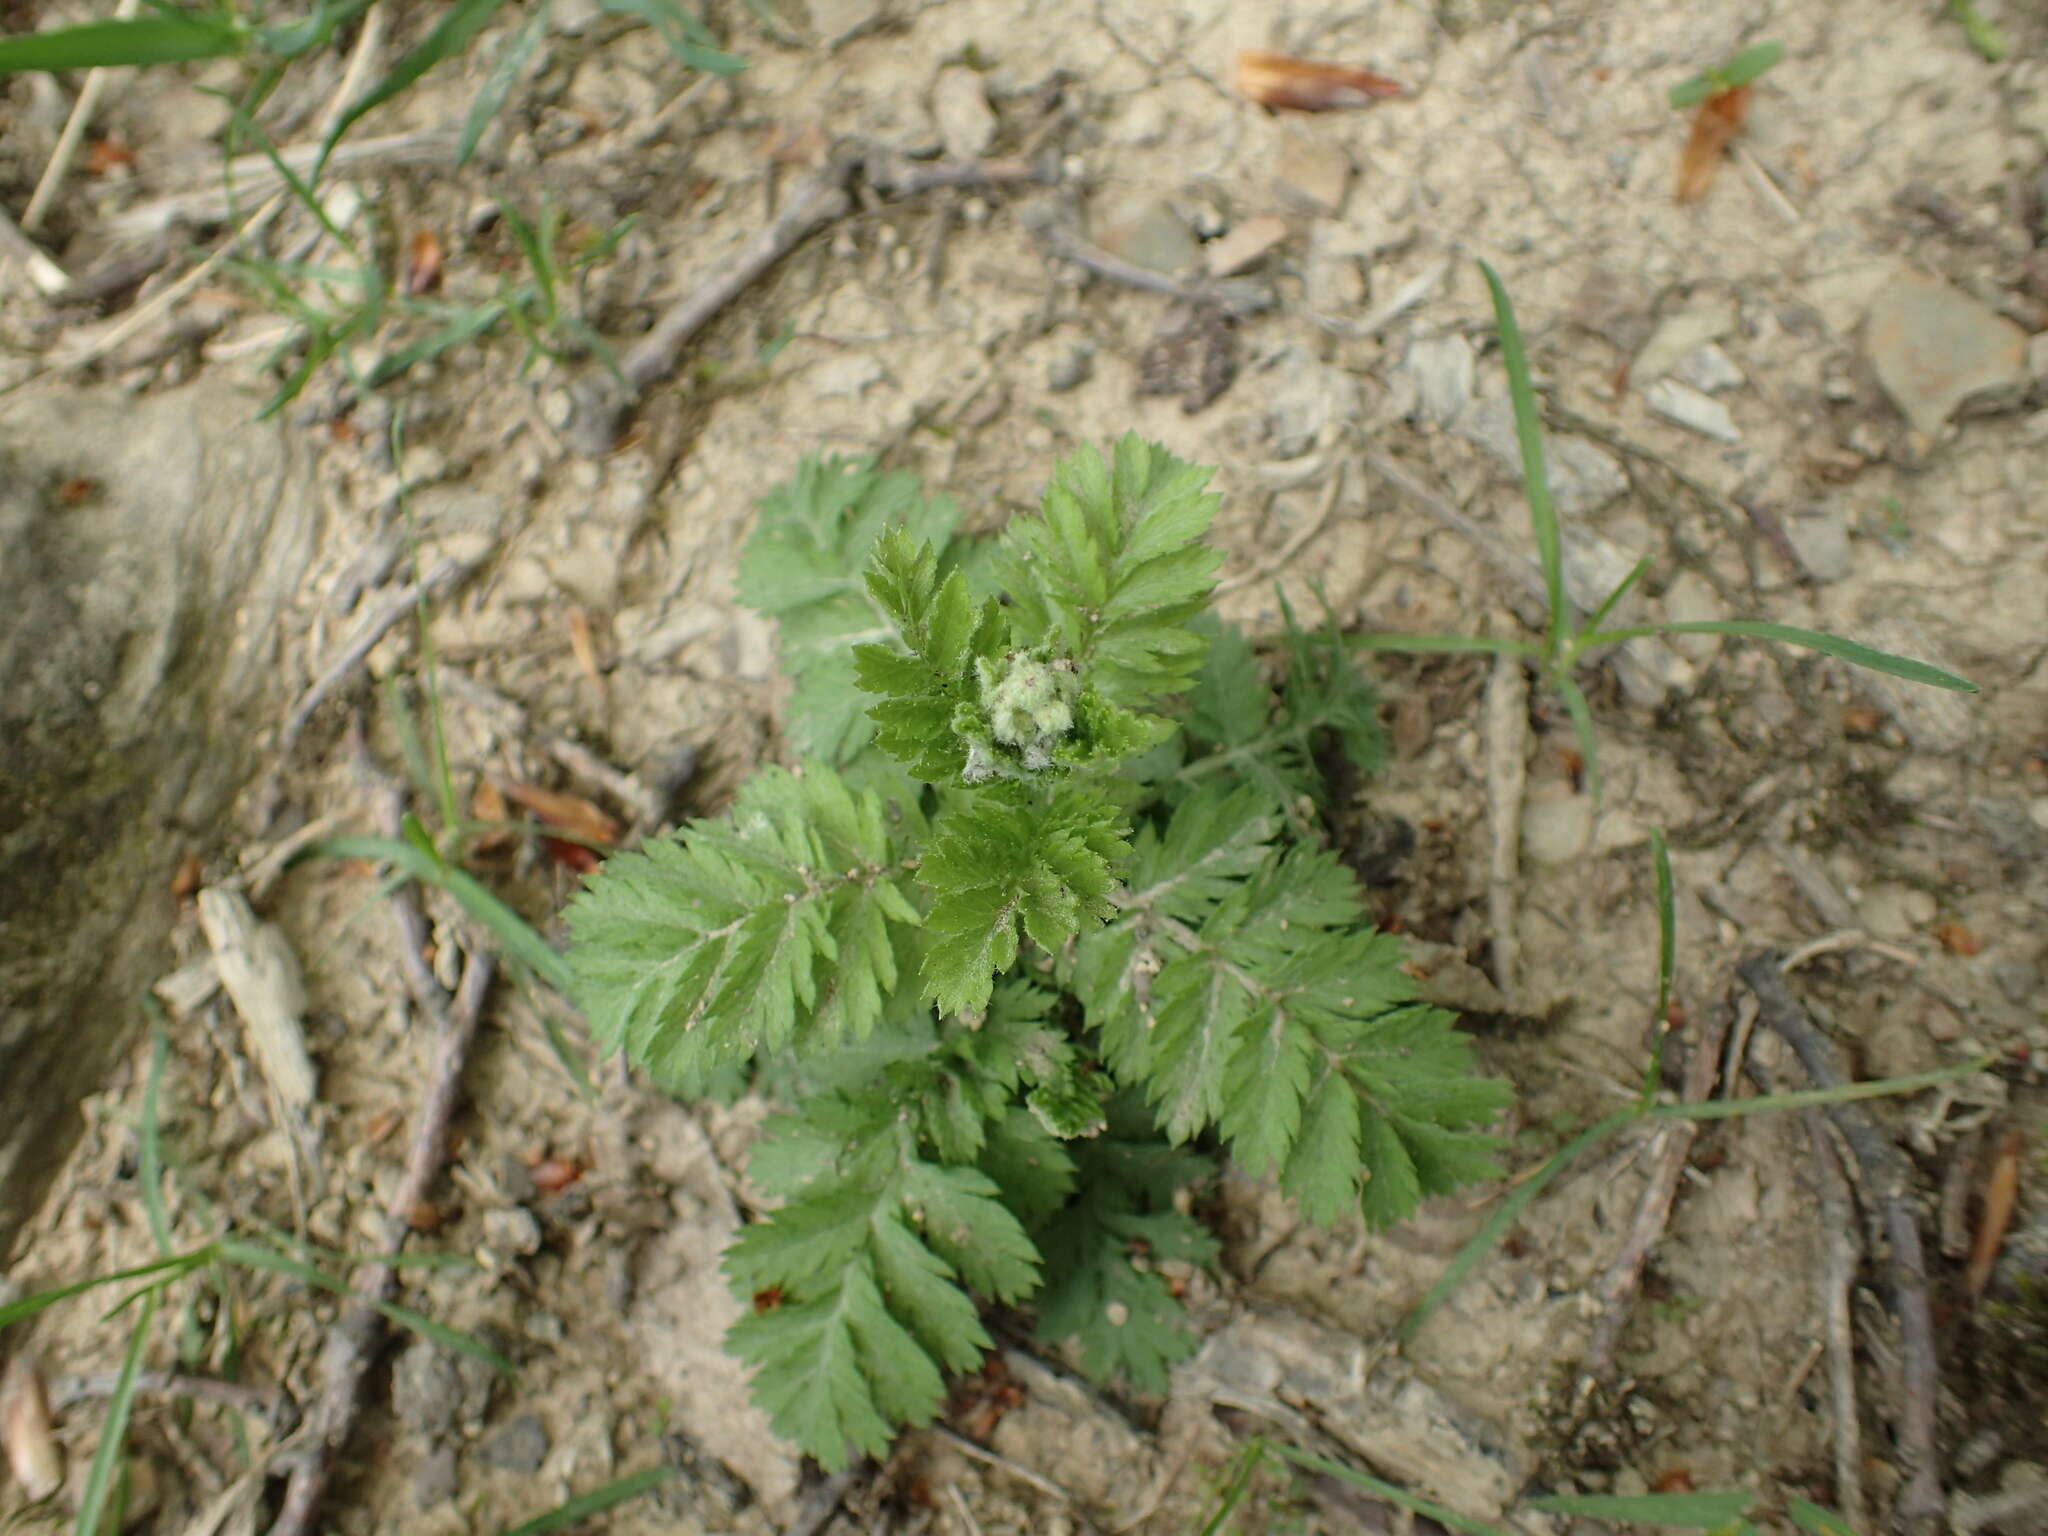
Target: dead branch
x,y
1234,296
1888,1181
413,937
1844,1259
378,623
822,197
1616,1287
357,1333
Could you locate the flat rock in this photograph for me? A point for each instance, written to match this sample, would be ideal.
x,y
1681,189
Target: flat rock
x,y
1245,245
1436,378
1688,408
1676,337
1708,369
966,122
1148,234
1583,478
1382,1409
434,1480
1312,174
1820,538
521,1446
1932,348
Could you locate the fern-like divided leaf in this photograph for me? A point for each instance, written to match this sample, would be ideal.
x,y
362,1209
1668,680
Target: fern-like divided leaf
x,y
998,862
1243,736
1240,985
803,567
1113,570
1103,1290
772,927
856,1283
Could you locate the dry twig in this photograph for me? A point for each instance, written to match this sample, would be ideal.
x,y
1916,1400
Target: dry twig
x,y
1616,1287
352,1346
1507,775
1887,1180
822,197
1844,1259
68,138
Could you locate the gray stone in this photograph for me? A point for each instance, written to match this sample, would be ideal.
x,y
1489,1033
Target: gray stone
x,y
1820,538
1583,478
1932,348
1557,825
434,1481
1245,246
1409,1430
1696,412
2007,825
2019,980
511,1232
966,123
1312,173
1148,234
138,640
1072,368
1675,337
521,1446
1441,371
434,1393
1708,369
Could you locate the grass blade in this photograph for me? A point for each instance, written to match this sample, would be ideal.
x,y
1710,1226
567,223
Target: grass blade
x,y
686,36
1667,947
1248,1461
1482,1241
169,1269
1581,712
175,39
1817,1521
1818,1098
511,930
1620,591
498,83
1704,1510
1449,1519
1983,36
1535,477
564,1516
1752,64
149,1159
252,1256
1807,639
1464,644
465,327
107,1461
451,35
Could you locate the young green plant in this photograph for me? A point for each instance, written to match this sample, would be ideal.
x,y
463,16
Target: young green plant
x,y
1035,927
1567,642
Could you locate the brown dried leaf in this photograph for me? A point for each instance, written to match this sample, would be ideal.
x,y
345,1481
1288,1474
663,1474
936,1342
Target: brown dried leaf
x,y
1958,940
584,646
567,813
32,1450
185,878
488,805
1718,120
106,155
1307,85
2001,1195
423,268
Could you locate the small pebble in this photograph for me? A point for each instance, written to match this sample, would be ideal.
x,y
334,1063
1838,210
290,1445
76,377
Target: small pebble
x,y
512,1230
434,1482
521,1446
1072,369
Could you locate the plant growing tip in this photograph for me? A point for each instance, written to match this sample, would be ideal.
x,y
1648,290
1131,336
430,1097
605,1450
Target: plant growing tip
x,y
1745,68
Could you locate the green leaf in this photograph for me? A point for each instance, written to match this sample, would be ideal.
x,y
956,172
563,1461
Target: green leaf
x,y
1816,1520
772,927
854,1283
686,36
1812,640
1113,570
802,567
571,1513
108,1463
166,1269
1031,1167
1102,1289
994,867
452,35
490,98
1989,42
1535,477
514,935
1702,1510
1485,645
175,38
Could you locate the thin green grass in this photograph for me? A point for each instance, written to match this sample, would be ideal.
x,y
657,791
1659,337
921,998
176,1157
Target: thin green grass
x,y
1746,68
575,1511
108,1472
1565,643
